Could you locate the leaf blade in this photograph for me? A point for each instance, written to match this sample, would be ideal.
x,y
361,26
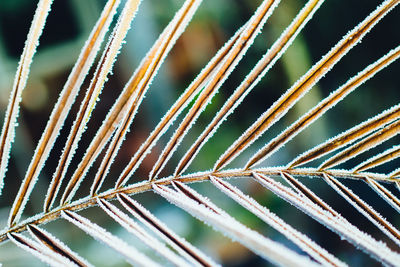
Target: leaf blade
x,y
303,85
42,253
322,107
334,222
187,250
104,68
177,25
56,245
261,245
301,240
363,145
245,40
102,235
256,74
126,222
66,99
20,80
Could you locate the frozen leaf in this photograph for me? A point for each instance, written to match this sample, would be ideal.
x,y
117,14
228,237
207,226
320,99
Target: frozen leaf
x,y
187,250
41,252
303,85
322,107
112,241
301,240
245,40
56,245
259,244
252,79
140,233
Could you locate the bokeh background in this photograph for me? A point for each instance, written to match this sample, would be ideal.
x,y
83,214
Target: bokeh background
x,y
68,26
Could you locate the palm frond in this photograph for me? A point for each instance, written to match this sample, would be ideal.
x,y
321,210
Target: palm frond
x,y
75,185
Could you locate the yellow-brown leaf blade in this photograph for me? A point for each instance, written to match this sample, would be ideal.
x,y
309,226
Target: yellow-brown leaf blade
x,y
304,84
21,77
348,136
379,159
67,98
177,26
363,145
176,109
322,107
104,68
245,40
262,67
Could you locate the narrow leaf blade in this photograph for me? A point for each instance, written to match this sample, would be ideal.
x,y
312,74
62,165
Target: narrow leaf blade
x,y
364,209
177,26
303,85
140,233
42,253
363,145
301,240
56,245
186,249
112,241
322,107
261,245
345,138
104,68
252,79
234,56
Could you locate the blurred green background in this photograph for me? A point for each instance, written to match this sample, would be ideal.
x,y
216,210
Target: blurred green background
x,y
68,26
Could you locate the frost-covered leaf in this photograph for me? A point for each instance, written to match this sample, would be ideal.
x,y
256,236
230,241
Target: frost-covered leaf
x,y
345,138
322,107
20,80
99,79
186,249
365,209
335,221
363,145
303,85
140,233
56,245
259,244
386,156
245,40
384,193
252,79
67,97
186,97
131,254
43,253
140,87
301,240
